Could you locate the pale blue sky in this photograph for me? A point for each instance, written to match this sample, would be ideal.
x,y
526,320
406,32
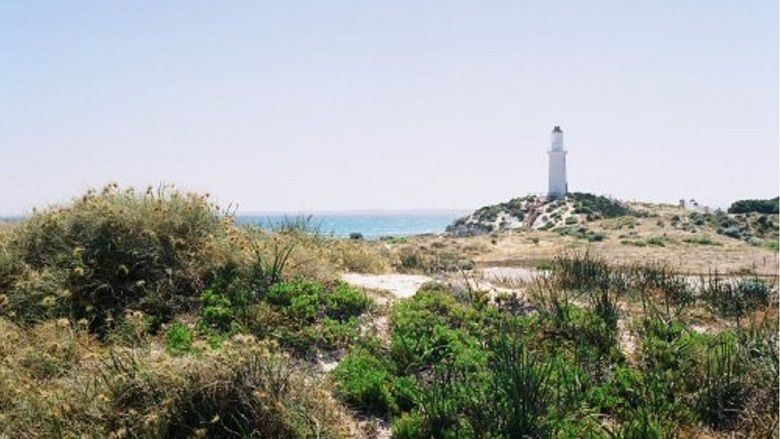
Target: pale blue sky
x,y
334,105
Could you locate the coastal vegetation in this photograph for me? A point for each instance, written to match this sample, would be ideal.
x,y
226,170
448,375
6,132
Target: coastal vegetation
x,y
154,314
541,213
462,363
768,206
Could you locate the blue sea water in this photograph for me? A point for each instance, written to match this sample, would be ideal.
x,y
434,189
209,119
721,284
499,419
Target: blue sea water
x,y
370,225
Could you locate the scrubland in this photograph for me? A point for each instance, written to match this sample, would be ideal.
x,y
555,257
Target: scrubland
x,y
152,314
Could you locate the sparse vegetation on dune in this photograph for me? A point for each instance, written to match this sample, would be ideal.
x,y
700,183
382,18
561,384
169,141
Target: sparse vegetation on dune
x,y
541,213
153,314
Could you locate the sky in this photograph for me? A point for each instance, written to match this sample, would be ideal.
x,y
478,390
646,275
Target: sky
x,y
344,105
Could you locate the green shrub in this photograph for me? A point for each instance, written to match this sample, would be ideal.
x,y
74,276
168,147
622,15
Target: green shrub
x,y
520,391
364,382
768,206
604,207
657,241
305,315
345,301
217,312
733,232
701,240
178,339
411,425
595,237
336,333
283,293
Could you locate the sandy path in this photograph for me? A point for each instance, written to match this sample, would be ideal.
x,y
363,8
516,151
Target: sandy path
x,y
400,285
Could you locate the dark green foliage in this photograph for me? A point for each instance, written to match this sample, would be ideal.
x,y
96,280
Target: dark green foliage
x,y
469,369
735,298
217,312
701,240
462,366
768,206
657,241
520,392
600,206
365,383
304,315
584,272
723,393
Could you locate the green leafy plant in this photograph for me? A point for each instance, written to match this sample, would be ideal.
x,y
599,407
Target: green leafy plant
x,y
178,339
364,382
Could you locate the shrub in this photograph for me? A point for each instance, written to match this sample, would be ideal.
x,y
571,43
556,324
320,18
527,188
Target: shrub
x,y
283,293
768,206
519,391
701,240
604,207
364,382
722,393
245,391
178,339
345,301
657,241
117,250
595,237
305,315
735,298
733,232
216,313
582,271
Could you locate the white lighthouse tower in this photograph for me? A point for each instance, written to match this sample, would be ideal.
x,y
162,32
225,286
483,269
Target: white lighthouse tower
x,y
557,177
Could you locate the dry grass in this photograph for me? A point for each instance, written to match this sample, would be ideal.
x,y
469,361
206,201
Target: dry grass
x,y
527,248
57,380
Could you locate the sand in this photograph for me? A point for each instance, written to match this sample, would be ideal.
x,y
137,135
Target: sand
x,y
400,285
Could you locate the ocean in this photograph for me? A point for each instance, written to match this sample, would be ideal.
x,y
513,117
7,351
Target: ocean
x,y
371,225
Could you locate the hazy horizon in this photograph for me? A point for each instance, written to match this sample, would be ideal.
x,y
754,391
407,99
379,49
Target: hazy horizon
x,y
391,106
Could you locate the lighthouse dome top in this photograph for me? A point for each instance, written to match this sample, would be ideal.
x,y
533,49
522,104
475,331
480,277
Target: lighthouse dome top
x,y
557,129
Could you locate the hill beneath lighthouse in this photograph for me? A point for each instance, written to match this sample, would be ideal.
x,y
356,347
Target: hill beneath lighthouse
x,y
541,213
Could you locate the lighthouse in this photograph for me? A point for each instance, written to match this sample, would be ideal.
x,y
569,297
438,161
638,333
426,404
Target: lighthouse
x,y
557,186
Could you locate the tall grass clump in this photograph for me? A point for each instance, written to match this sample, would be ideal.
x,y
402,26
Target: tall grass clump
x,y
723,392
734,298
114,250
583,271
